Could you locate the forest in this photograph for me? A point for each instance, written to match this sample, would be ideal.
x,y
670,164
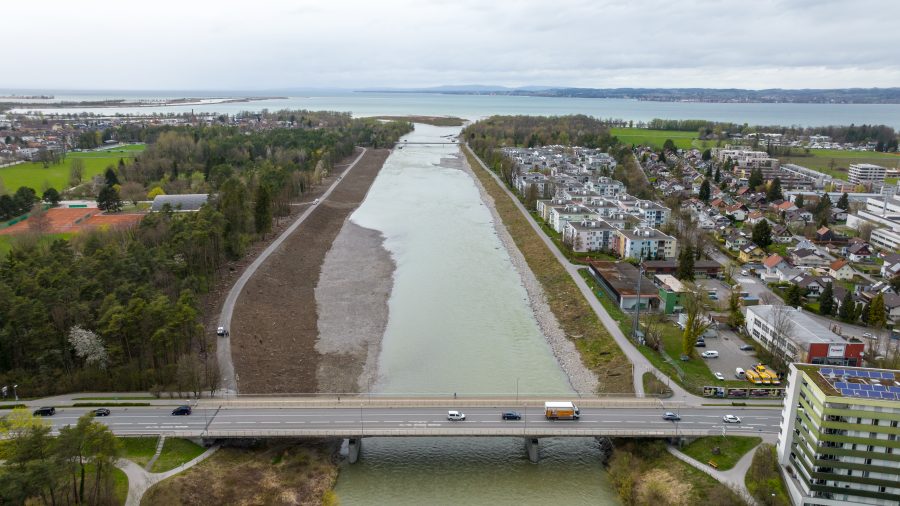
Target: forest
x,y
121,310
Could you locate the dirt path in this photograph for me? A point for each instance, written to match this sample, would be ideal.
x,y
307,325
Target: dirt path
x,y
274,326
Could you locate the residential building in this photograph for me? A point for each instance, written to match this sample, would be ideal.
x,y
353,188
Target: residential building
x,y
670,290
886,239
840,269
588,235
644,243
560,215
702,268
865,173
794,336
839,441
751,253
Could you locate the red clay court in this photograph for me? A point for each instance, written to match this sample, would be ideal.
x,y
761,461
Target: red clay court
x,y
63,219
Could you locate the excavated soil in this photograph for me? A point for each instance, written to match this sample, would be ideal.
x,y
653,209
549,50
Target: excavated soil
x,y
274,327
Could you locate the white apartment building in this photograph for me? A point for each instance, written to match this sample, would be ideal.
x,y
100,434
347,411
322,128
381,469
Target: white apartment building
x,y
560,215
645,243
862,173
588,235
746,159
885,238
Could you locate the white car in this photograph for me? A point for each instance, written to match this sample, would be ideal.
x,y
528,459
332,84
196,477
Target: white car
x,y
745,273
719,376
454,416
710,354
315,201
221,332
731,419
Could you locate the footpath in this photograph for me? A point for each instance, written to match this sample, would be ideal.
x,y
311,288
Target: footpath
x,y
140,480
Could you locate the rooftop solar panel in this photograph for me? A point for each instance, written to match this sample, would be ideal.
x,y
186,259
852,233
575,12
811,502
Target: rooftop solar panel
x,y
879,388
887,375
826,370
854,386
840,384
846,391
894,389
876,395
865,387
887,395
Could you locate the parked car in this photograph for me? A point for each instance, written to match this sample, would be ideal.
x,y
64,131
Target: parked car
x,y
455,416
700,344
671,416
719,376
745,272
101,412
315,201
221,332
710,354
867,335
731,419
511,415
746,347
45,411
181,410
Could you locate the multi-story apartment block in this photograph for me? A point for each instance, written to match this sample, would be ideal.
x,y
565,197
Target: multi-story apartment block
x,y
746,159
644,243
560,215
588,235
839,441
865,173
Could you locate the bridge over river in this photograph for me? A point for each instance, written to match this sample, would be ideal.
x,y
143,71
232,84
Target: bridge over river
x,y
358,417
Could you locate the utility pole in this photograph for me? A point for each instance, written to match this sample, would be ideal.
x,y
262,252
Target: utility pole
x,y
637,308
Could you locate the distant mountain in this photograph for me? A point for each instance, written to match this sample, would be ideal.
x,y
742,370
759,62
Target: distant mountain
x,y
775,95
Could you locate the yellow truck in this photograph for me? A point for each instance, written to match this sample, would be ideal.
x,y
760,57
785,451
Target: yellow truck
x,y
767,373
561,410
753,377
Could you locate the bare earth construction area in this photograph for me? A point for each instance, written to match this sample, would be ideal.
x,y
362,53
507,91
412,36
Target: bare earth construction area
x,y
275,324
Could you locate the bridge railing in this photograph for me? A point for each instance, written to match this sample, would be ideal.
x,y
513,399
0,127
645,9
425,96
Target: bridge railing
x,y
437,402
434,432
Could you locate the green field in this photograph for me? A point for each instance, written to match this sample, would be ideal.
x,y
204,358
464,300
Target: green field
x,y
34,175
176,452
656,138
823,159
7,241
731,449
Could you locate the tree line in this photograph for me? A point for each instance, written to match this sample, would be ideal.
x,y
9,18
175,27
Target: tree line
x,y
120,310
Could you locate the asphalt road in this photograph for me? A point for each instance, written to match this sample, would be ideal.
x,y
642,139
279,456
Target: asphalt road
x,y
417,421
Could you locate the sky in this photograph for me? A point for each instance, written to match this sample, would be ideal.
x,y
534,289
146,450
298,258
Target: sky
x,y
274,44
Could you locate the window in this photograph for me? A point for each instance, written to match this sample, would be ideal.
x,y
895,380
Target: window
x,y
874,421
868,463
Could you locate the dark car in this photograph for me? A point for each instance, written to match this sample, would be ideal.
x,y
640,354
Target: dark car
x,y
511,415
671,416
45,411
101,412
700,344
746,347
182,410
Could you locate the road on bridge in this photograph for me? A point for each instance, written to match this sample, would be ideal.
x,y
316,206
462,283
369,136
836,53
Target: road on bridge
x,y
420,421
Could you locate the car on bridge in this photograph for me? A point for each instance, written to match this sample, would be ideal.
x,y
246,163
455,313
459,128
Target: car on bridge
x,y
101,412
674,417
45,411
510,415
454,416
731,419
181,410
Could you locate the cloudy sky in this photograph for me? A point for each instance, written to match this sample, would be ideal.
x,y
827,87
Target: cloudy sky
x,y
272,44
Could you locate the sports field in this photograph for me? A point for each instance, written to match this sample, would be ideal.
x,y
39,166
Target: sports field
x,y
34,175
71,220
835,162
656,138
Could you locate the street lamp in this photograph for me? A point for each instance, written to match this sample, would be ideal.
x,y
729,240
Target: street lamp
x,y
15,394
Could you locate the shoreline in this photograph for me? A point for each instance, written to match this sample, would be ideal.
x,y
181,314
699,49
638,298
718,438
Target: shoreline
x,y
581,379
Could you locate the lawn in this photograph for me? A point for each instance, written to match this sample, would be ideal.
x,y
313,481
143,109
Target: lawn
x,y
176,452
7,241
654,138
120,485
34,175
821,160
138,449
731,449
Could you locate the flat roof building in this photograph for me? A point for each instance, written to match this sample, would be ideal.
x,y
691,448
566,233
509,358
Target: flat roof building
x,y
838,440
862,173
620,280
794,336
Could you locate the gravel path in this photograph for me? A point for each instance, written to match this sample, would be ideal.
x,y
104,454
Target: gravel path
x,y
580,377
352,302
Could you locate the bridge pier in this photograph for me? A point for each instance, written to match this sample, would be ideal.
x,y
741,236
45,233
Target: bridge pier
x,y
354,447
531,447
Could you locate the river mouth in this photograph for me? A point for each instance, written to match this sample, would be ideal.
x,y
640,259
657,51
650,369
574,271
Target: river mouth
x,y
458,320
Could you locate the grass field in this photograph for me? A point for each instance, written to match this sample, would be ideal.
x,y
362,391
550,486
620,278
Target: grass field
x,y
656,138
731,449
34,175
7,241
821,160
174,453
138,449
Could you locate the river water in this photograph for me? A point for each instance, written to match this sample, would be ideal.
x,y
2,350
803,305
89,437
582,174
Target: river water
x,y
459,322
478,106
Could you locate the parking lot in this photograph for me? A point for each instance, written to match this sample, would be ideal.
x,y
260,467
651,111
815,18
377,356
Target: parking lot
x,y
723,291
730,356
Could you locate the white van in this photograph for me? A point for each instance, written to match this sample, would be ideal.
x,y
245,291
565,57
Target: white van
x,y
740,373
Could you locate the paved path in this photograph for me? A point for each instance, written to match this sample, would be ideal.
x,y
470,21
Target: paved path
x,y
734,477
223,349
139,480
638,360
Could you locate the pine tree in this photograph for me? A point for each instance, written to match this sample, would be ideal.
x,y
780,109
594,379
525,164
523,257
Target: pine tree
x,y
756,179
718,175
709,171
685,270
844,202
262,210
793,296
798,201
847,309
774,192
704,190
762,234
108,200
877,312
110,176
826,301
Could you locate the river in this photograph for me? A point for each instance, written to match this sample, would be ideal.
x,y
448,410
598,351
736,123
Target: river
x,y
459,322
478,106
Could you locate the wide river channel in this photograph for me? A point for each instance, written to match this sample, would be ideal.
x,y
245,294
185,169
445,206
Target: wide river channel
x,y
459,322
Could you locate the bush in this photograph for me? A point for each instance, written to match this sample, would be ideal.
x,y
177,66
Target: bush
x,y
763,479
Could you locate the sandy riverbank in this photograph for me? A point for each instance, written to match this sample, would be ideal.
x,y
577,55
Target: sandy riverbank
x,y
352,303
580,377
